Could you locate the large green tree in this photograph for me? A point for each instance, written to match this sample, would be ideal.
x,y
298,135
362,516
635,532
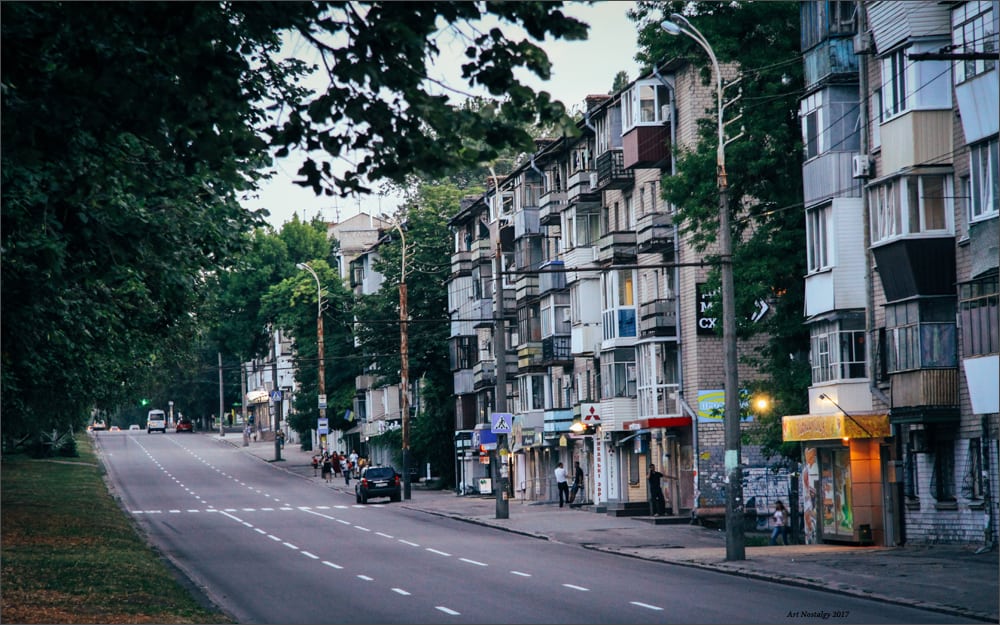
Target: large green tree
x,y
130,132
764,175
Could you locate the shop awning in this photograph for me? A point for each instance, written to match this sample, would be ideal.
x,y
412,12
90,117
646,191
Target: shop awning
x,y
257,397
657,422
808,427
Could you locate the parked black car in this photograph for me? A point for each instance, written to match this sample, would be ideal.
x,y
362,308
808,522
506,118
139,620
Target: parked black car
x,y
378,482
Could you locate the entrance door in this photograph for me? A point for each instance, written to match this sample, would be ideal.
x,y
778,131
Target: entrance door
x,y
888,495
836,509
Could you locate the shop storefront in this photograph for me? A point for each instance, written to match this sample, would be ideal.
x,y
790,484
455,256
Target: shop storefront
x,y
843,480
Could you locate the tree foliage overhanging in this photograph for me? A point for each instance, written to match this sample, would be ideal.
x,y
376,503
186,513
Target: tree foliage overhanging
x,y
130,132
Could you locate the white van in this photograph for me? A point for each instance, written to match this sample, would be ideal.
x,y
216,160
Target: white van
x,y
156,420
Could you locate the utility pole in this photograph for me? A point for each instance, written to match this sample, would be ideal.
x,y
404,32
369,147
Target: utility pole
x,y
404,365
222,429
275,346
500,349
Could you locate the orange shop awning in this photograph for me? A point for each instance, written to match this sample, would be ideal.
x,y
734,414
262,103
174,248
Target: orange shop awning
x,y
808,427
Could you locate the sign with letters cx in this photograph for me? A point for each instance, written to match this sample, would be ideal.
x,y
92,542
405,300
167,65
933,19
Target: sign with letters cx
x,y
704,315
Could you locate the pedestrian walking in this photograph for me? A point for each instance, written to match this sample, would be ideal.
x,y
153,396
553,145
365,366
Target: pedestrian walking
x,y
354,462
327,468
656,501
780,521
562,484
315,461
346,469
577,482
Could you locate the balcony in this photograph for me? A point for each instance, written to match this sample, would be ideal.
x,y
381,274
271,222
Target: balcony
x,y
658,318
556,350
611,171
617,248
827,176
550,205
583,187
483,250
461,263
646,146
484,374
831,60
529,355
655,233
554,281
924,396
526,222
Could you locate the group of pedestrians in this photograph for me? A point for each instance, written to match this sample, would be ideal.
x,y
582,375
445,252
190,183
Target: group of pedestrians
x,y
330,464
562,483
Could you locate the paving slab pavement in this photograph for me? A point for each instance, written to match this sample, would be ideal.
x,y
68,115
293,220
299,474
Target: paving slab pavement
x,y
950,579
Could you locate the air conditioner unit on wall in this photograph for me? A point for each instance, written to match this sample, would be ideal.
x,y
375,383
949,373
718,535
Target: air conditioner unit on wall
x,y
860,166
864,43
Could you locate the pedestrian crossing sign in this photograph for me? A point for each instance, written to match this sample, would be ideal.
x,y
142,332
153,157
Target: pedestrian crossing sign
x,y
501,422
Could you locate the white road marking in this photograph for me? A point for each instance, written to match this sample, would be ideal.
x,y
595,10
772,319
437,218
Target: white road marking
x,y
366,578
267,509
259,531
332,565
274,538
309,555
383,534
440,553
363,529
447,610
580,588
406,542
343,521
193,510
521,574
646,605
473,562
401,592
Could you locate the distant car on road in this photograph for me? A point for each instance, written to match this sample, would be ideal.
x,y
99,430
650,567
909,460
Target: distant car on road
x,y
134,428
184,425
157,420
115,428
377,482
99,425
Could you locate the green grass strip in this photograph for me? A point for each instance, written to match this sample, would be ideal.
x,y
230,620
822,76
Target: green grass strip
x,y
70,554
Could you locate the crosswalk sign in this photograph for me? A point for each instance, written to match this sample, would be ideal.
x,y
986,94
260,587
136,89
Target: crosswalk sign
x,y
501,422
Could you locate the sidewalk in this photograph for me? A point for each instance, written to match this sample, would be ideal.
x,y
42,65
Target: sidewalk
x,y
948,579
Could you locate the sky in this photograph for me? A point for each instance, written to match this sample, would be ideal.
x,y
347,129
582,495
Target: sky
x,y
579,68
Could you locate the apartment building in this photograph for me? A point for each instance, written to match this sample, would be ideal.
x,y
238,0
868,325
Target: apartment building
x,y
900,443
610,359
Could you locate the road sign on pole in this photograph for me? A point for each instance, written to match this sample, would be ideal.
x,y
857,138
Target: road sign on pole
x,y
501,422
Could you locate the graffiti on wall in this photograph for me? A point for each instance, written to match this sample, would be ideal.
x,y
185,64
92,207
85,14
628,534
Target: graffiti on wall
x,y
766,486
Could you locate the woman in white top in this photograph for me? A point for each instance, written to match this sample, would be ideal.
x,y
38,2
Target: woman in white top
x,y
780,517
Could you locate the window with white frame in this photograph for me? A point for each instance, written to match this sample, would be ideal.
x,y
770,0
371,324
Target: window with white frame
x,y
619,304
894,79
984,181
818,230
812,135
618,373
908,205
973,31
837,350
921,334
531,392
647,102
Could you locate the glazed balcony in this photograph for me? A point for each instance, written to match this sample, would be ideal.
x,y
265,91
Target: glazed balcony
x,y
831,60
554,280
556,349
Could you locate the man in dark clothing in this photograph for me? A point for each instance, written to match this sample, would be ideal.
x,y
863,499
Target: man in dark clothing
x,y
656,501
577,482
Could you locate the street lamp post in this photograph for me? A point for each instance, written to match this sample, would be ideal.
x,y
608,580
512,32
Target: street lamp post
x,y
404,365
319,337
735,540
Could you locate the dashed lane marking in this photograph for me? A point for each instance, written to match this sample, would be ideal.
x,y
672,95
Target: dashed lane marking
x,y
647,606
440,553
447,610
476,562
401,592
575,587
521,574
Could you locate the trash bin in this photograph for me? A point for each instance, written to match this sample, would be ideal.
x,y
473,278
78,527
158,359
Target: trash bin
x,y
865,534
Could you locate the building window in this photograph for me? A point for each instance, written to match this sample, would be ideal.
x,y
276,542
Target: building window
x,y
984,196
619,304
818,227
943,478
920,334
972,483
464,352
894,69
973,31
618,373
838,350
911,205
531,392
529,328
979,315
810,112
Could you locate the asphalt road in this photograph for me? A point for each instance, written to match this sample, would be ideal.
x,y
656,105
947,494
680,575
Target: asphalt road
x,y
269,547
